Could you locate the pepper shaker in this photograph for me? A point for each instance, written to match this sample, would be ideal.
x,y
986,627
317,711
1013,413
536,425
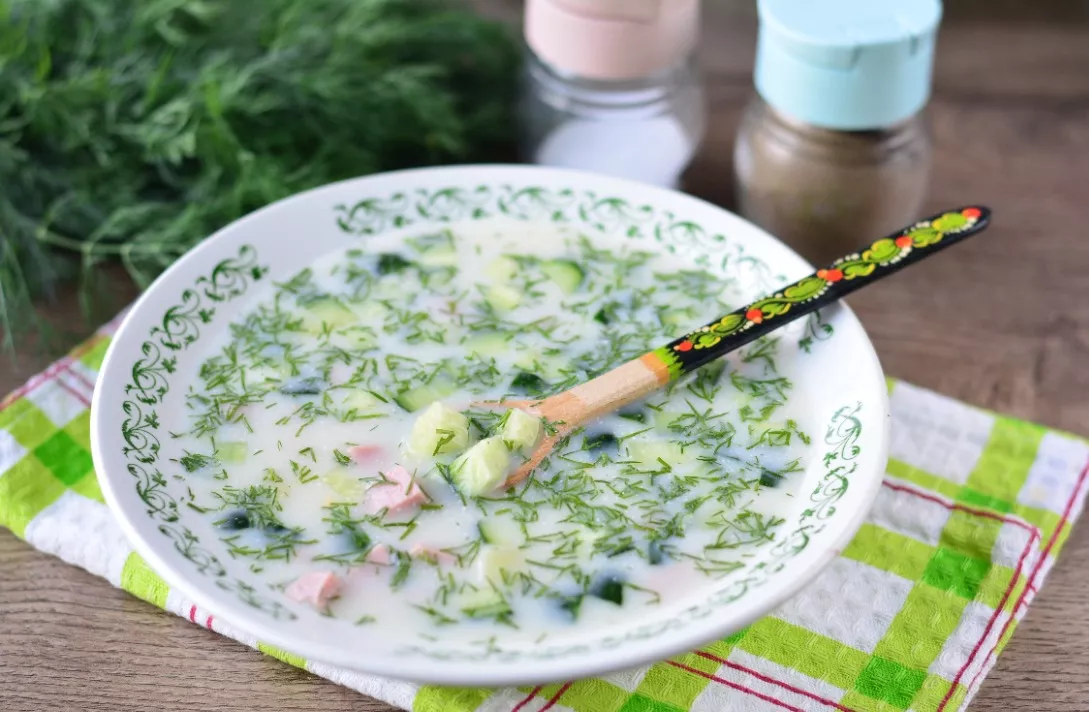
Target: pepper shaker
x,y
834,147
612,86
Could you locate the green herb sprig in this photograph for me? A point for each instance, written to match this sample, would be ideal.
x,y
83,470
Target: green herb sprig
x,y
195,112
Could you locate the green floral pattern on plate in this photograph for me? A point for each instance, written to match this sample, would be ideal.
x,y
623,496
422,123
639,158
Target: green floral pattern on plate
x,y
588,210
179,328
182,325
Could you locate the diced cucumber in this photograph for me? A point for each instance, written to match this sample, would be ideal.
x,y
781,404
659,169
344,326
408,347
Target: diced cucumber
x,y
422,396
637,415
521,431
609,588
356,336
588,539
346,487
599,443
439,430
327,313
371,310
309,386
485,603
488,344
609,313
362,402
389,290
570,605
391,263
526,361
502,297
549,365
236,521
231,453
679,318
528,383
501,269
713,371
265,375
566,274
359,539
651,453
436,250
495,559
663,419
482,468
439,275
486,533
770,479
500,531
439,258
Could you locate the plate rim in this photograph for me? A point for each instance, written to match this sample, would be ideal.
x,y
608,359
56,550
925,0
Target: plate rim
x,y
461,673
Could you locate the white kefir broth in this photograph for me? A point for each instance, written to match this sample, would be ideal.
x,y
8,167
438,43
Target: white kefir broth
x,y
716,458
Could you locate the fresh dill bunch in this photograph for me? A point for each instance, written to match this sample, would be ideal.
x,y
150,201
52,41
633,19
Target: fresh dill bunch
x,y
131,130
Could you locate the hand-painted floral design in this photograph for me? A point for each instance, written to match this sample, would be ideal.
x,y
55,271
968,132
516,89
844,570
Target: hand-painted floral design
x,y
758,312
822,287
891,250
669,359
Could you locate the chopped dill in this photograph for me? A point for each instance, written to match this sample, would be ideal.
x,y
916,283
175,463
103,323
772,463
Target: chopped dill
x,y
667,482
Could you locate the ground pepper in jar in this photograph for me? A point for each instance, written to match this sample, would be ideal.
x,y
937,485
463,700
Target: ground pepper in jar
x,y
835,148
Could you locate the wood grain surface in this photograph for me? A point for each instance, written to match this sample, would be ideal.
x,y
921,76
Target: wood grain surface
x,y
1001,322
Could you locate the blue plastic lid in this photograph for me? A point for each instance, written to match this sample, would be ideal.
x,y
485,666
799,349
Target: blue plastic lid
x,y
846,64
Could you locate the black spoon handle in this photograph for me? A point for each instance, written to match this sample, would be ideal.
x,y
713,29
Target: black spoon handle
x,y
823,287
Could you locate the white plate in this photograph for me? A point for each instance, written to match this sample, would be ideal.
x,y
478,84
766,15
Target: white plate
x,y
139,399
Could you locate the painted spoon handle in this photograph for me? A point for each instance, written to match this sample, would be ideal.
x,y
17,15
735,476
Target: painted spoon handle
x,y
639,377
825,286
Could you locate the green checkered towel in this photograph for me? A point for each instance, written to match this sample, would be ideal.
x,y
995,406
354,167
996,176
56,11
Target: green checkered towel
x,y
974,509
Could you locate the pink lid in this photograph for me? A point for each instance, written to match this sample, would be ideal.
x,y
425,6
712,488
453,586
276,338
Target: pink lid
x,y
612,39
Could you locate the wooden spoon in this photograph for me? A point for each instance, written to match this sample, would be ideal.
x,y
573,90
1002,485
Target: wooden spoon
x,y
636,379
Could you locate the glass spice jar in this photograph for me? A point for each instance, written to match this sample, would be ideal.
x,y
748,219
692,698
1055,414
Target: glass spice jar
x,y
835,148
612,86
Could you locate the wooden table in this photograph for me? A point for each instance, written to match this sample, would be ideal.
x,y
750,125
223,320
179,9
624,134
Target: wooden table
x,y
1002,322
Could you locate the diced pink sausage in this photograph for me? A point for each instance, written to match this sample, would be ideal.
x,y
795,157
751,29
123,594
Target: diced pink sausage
x,y
436,555
401,492
379,555
362,454
316,588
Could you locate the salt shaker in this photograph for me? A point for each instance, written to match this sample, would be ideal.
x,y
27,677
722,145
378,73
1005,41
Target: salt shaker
x,y
834,149
612,86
